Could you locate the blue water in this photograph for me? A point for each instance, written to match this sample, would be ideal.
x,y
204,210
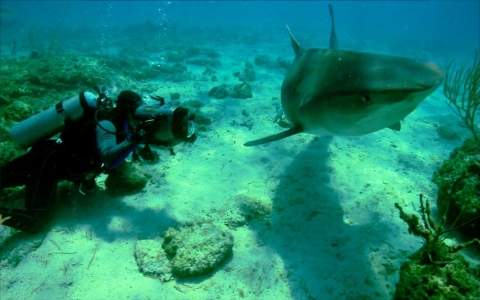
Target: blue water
x,y
443,27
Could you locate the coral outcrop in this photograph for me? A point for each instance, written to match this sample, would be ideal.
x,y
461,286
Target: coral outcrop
x,y
458,180
435,271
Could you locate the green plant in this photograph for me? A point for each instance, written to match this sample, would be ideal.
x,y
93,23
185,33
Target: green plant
x,y
462,89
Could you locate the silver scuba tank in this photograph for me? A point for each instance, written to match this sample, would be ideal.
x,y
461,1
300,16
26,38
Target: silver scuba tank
x,y
51,121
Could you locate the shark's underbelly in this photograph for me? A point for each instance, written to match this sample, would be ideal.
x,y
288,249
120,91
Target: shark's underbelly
x,y
339,122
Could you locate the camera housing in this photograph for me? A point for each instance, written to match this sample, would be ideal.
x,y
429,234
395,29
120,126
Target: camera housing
x,y
165,125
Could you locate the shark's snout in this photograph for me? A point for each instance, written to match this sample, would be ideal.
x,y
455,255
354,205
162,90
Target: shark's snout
x,y
433,75
414,76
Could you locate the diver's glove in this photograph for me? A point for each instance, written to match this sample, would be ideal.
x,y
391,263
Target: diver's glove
x,y
136,136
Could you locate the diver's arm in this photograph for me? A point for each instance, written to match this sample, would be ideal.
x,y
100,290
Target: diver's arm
x,y
107,143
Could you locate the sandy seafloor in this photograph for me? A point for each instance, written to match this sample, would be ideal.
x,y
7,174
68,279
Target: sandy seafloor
x,y
333,232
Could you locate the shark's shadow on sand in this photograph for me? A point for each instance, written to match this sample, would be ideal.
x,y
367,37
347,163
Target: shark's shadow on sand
x,y
324,257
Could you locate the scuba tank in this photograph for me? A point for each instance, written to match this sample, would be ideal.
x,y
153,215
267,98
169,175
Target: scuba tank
x,y
52,121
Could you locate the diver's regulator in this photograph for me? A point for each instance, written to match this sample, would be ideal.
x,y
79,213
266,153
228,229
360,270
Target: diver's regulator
x,y
162,125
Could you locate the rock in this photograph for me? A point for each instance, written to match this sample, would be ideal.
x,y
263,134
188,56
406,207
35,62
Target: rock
x,y
248,74
202,122
192,51
8,151
17,111
458,180
125,178
264,61
174,96
152,260
253,208
204,61
175,56
176,68
282,63
4,101
242,91
34,55
447,133
4,133
197,249
450,281
211,53
209,71
18,246
219,91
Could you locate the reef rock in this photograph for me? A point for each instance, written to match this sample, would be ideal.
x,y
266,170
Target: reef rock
x,y
458,180
248,74
219,91
152,260
197,249
125,178
242,91
264,61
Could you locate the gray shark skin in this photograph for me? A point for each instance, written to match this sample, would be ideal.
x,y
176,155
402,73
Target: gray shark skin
x,y
347,93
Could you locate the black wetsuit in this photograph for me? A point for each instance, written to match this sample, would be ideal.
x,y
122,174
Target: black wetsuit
x,y
85,151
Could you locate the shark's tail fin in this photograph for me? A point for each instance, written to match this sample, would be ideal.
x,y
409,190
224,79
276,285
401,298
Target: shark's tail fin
x,y
275,137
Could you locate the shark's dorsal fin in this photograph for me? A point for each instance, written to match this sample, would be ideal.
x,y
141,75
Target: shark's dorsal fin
x,y
296,47
333,35
275,137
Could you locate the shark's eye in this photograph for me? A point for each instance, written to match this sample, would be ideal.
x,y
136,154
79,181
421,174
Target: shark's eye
x,y
366,99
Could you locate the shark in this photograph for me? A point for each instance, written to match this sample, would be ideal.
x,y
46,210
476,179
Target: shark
x,y
335,92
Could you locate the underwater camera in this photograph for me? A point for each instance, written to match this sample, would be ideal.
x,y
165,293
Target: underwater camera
x,y
165,125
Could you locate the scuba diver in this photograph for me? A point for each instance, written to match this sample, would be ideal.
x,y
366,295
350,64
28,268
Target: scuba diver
x,y
95,137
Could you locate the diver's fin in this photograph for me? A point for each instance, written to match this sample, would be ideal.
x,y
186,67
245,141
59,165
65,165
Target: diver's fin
x,y
396,126
275,137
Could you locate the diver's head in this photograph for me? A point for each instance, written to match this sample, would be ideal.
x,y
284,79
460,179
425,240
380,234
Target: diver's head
x,y
127,102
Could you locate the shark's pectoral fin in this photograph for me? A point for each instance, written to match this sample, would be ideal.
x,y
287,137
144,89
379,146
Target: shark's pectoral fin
x,y
275,137
278,115
396,126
